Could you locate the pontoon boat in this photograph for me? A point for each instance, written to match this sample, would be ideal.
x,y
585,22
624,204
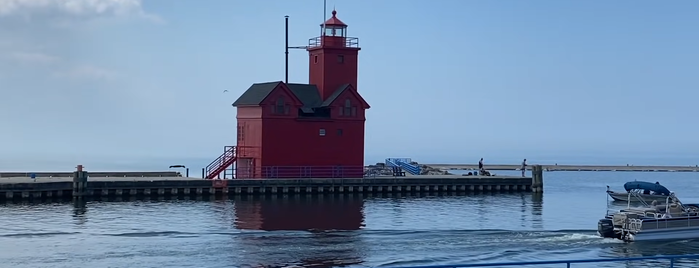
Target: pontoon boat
x,y
673,220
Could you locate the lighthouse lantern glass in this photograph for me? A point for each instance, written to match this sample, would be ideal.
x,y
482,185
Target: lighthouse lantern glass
x,y
335,31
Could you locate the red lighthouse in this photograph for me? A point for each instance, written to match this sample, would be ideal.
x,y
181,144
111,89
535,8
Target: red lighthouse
x,y
313,130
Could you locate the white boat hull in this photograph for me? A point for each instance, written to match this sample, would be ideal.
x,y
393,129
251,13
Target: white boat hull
x,y
666,234
646,197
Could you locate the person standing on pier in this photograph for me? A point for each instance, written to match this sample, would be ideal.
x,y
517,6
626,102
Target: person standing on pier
x,y
524,166
480,165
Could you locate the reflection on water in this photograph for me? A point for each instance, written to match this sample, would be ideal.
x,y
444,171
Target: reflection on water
x,y
79,210
328,226
537,210
299,213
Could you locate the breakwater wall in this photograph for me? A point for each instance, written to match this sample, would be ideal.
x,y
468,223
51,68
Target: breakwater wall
x,y
83,185
554,167
128,174
17,189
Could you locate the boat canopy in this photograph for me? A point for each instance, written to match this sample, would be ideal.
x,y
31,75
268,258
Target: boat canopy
x,y
642,185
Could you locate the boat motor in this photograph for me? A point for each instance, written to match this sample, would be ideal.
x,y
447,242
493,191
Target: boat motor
x,y
605,228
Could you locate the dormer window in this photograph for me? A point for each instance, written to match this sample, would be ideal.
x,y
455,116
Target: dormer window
x,y
347,107
347,110
281,107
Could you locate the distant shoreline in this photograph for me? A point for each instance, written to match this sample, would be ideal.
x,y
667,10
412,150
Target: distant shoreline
x,y
629,168
444,167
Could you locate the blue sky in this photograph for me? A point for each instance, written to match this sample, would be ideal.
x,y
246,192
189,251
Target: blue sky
x,y
110,84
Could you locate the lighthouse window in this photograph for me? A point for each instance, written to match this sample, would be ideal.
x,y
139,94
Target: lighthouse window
x,y
321,132
315,59
280,107
348,108
340,58
334,31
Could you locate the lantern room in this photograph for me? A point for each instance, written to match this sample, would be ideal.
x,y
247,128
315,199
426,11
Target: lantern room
x,y
334,26
333,34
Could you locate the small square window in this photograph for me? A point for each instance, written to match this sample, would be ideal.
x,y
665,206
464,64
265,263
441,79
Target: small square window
x,y
339,132
315,59
322,132
340,58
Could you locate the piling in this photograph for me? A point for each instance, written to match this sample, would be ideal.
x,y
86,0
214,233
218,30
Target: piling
x,y
537,179
79,182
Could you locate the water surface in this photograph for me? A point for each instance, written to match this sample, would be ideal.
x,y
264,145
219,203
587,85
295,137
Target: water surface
x,y
350,230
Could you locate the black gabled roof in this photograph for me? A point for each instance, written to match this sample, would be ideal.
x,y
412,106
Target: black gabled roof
x,y
256,93
335,95
307,94
341,89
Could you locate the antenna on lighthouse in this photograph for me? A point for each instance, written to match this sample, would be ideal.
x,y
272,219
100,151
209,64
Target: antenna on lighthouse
x,y
286,40
325,13
286,50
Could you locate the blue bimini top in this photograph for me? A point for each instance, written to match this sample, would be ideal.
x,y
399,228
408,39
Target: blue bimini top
x,y
643,185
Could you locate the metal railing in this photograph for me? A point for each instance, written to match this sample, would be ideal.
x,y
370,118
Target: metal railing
x,y
352,42
405,164
673,260
299,172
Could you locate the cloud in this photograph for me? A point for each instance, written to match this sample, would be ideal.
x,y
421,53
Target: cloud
x,y
47,36
86,72
57,67
73,8
32,58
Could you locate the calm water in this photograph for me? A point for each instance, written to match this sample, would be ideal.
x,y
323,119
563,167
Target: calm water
x,y
353,231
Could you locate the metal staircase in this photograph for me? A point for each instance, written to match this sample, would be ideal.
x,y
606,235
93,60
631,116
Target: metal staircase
x,y
404,164
220,164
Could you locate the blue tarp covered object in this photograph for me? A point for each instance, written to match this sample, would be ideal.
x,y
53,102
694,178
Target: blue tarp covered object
x,y
642,185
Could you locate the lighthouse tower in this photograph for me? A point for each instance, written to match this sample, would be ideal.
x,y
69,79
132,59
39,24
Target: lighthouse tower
x,y
333,58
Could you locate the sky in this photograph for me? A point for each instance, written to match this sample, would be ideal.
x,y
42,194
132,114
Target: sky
x,y
118,84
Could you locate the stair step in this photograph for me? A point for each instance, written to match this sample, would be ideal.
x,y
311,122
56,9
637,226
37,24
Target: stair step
x,y
221,163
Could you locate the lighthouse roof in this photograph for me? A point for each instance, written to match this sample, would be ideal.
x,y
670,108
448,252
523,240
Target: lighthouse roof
x,y
334,21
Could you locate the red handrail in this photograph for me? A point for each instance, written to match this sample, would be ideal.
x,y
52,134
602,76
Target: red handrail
x,y
221,163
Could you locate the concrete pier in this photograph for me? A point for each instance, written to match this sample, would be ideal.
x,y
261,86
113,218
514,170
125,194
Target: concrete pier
x,y
118,174
569,167
24,188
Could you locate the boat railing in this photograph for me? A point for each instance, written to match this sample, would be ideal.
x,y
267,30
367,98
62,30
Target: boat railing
x,y
637,196
672,259
610,212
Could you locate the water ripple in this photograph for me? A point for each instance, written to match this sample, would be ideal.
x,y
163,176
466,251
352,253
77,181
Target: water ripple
x,y
350,231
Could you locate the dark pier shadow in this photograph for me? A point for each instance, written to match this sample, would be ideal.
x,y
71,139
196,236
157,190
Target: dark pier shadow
x,y
306,231
80,211
537,204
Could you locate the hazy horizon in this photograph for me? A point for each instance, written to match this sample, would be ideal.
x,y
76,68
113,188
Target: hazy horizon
x,y
195,164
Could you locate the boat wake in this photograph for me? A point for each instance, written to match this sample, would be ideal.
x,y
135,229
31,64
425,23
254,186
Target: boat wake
x,y
381,248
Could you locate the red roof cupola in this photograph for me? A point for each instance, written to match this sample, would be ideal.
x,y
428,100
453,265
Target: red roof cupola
x,y
334,21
